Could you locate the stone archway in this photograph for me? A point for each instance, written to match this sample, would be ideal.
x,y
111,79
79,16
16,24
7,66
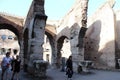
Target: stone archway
x,y
53,47
16,37
11,28
60,42
15,24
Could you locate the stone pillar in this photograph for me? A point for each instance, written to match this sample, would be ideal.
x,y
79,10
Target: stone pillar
x,y
54,51
83,29
77,33
36,65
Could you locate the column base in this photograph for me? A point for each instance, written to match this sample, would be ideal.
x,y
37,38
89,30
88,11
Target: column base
x,y
38,68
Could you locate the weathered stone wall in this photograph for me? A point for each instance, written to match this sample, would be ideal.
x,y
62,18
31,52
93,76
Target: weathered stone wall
x,y
70,26
100,38
117,41
118,28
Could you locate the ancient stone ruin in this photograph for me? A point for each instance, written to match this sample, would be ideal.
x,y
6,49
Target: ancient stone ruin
x,y
92,42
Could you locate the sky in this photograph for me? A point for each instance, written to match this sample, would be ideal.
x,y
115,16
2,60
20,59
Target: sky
x,y
54,9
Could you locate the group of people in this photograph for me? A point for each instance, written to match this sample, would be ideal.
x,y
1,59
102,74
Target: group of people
x,y
10,65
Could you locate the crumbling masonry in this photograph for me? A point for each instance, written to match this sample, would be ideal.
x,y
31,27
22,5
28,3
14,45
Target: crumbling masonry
x,y
44,42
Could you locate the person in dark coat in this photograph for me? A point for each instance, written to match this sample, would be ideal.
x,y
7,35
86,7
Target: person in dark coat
x,y
16,67
69,67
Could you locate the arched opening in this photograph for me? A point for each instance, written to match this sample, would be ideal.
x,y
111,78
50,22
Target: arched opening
x,y
49,48
9,40
47,52
63,50
11,28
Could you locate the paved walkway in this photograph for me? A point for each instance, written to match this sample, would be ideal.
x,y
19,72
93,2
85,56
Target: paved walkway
x,y
24,76
94,75
56,74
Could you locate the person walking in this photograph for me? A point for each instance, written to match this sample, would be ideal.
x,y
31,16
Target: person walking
x,y
69,67
16,67
5,65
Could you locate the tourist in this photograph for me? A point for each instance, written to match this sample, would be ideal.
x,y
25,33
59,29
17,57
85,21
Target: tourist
x,y
69,67
16,67
5,65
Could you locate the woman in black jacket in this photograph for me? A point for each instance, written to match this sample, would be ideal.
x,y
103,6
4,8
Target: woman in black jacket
x,y
69,68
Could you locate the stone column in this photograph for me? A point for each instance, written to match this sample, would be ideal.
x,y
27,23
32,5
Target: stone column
x,y
54,51
78,32
83,29
36,64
